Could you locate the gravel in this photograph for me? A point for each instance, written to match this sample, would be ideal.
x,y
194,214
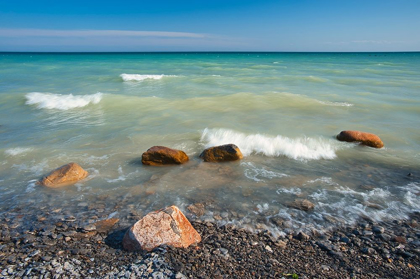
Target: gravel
x,y
64,250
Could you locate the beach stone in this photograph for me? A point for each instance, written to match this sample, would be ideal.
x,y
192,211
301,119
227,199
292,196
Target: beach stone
x,y
168,226
368,139
197,209
222,153
105,225
64,176
161,155
302,204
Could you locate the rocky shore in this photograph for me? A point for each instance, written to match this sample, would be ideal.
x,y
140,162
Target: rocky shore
x,y
367,250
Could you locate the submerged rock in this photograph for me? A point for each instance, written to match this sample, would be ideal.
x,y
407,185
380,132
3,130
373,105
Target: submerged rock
x,y
168,226
368,139
64,175
161,155
197,209
222,153
302,205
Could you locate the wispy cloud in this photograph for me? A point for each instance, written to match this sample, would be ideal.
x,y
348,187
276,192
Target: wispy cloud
x,y
375,42
95,33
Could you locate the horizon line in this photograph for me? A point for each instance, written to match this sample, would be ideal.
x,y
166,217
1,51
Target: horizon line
x,y
201,51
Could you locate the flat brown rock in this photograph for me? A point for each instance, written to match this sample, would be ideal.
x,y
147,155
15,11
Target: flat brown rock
x,y
302,204
161,155
106,225
367,139
64,175
222,153
168,226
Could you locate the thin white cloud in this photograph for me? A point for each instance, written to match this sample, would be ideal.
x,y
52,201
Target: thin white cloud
x,y
94,33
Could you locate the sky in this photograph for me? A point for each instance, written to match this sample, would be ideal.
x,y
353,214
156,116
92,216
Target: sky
x,y
216,25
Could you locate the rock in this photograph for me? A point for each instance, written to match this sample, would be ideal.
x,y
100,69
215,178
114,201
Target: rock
x,y
161,155
399,239
302,236
168,226
197,209
105,225
362,137
222,153
378,229
64,176
302,205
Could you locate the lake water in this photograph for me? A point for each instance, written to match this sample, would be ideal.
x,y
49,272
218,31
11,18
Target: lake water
x,y
283,110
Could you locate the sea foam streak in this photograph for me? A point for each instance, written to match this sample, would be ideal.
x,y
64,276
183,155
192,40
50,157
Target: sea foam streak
x,y
135,77
302,148
61,102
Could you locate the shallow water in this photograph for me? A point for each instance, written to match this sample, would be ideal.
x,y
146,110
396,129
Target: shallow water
x,y
283,110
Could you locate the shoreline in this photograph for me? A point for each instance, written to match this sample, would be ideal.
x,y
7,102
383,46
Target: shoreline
x,y
387,249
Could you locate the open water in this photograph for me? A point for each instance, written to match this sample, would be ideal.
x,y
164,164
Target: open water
x,y
283,110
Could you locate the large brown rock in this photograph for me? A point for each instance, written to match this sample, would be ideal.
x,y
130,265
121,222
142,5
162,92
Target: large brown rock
x,y
168,226
64,175
368,139
222,153
161,155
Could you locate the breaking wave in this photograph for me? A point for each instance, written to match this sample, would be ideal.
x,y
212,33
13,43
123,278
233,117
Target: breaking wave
x,y
61,102
302,148
135,77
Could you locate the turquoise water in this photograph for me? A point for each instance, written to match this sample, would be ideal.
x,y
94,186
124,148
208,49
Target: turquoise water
x,y
282,109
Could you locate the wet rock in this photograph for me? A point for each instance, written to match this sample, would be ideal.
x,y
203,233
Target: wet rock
x,y
63,176
302,204
161,155
168,226
378,229
399,239
222,153
302,236
197,209
105,225
368,250
367,139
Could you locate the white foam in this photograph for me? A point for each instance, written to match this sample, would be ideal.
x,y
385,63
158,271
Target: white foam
x,y
135,77
257,174
17,151
336,104
122,177
302,148
61,102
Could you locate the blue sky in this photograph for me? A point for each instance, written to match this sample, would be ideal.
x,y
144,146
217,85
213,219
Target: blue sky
x,y
282,25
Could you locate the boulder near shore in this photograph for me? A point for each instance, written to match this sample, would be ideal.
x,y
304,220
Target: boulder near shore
x,y
222,153
367,139
63,176
161,155
168,226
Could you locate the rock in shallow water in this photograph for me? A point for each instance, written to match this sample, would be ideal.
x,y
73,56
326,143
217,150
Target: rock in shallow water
x,y
302,205
64,176
168,226
368,139
161,155
222,153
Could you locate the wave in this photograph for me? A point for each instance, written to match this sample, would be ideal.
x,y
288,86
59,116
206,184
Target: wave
x,y
61,102
135,77
17,151
302,148
336,104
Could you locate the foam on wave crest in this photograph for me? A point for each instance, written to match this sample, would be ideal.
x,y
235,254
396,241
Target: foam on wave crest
x,y
61,102
302,148
135,77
